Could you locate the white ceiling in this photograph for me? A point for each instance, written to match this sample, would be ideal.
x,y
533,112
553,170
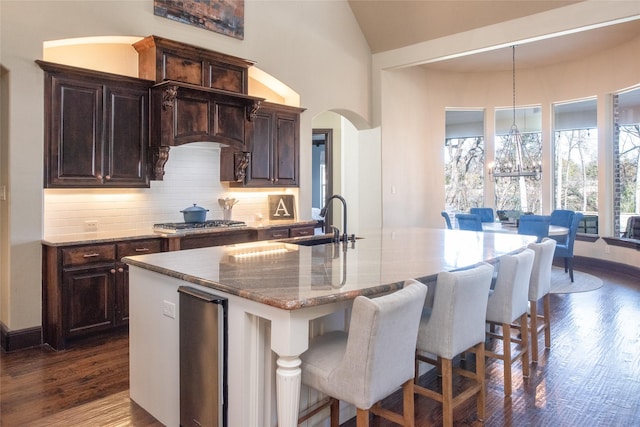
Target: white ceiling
x,y
392,24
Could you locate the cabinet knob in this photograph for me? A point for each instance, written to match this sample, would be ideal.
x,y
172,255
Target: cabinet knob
x,y
113,271
120,270
108,177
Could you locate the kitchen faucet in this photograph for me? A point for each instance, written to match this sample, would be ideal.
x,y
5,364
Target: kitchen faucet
x,y
323,213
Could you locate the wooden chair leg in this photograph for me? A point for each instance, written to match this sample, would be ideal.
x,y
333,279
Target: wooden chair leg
x,y
547,320
335,413
362,418
408,404
533,312
506,350
447,393
481,398
525,345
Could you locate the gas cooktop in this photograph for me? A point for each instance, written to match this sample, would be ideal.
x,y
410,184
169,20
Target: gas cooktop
x,y
196,227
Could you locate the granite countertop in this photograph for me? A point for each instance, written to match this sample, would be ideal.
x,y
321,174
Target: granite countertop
x,y
290,276
113,236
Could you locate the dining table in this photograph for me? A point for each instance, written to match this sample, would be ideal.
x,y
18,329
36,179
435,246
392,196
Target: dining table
x,y
512,228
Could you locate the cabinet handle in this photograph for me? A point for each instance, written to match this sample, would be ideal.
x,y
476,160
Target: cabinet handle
x,y
142,249
93,255
280,235
113,271
303,233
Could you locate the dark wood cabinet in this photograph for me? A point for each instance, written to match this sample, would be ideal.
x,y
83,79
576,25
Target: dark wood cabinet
x,y
285,231
160,59
89,297
96,128
205,240
274,149
182,113
86,288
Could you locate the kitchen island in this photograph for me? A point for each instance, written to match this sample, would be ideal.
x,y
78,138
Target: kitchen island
x,y
278,294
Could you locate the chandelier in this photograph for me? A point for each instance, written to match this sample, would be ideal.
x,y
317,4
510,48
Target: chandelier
x,y
513,161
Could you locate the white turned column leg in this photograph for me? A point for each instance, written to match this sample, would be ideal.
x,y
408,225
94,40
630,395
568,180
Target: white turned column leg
x,y
288,379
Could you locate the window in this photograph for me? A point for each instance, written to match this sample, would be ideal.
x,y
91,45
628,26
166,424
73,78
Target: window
x,y
521,194
576,156
464,160
626,158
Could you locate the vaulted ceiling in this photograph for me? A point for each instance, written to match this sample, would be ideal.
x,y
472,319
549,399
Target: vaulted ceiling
x,y
393,24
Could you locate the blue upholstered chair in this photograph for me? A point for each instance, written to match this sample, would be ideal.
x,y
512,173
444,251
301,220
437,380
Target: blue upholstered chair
x,y
562,217
485,214
565,249
534,225
445,215
469,222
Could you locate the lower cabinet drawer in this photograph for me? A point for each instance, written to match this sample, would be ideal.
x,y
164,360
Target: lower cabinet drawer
x,y
139,247
301,231
88,254
273,233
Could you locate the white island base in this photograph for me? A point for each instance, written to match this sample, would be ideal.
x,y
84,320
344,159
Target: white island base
x,y
252,384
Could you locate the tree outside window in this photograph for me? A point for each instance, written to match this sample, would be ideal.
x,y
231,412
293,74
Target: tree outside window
x,y
464,160
627,158
576,156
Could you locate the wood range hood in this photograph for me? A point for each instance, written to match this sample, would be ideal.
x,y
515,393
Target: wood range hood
x,y
198,95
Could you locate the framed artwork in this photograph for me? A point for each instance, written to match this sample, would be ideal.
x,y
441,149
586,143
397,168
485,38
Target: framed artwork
x,y
222,16
282,207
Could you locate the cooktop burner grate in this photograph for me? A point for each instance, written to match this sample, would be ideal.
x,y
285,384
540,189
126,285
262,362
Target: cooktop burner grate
x,y
175,227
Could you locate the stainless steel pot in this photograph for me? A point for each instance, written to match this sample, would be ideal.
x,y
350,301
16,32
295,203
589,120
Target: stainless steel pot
x,y
194,214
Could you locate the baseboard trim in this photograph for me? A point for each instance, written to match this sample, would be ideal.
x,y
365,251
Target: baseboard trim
x,y
587,263
20,339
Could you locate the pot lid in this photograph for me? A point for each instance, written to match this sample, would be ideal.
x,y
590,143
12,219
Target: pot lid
x,y
195,208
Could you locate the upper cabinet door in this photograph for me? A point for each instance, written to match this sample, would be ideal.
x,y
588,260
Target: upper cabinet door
x,y
275,145
160,59
96,128
126,135
74,134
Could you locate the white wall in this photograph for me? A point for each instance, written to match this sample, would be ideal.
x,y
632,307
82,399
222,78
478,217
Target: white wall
x,y
314,47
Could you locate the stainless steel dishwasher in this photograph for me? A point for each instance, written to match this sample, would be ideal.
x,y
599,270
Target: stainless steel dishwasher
x,y
203,359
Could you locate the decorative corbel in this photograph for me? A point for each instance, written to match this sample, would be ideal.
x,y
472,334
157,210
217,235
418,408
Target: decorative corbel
x,y
168,96
241,162
252,110
159,157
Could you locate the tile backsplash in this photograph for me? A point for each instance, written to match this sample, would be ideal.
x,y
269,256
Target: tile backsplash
x,y
192,175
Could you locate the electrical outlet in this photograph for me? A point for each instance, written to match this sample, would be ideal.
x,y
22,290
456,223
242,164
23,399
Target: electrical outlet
x,y
91,225
169,309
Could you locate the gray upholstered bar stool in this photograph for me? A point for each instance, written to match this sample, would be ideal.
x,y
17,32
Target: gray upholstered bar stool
x,y
454,325
508,302
373,360
539,287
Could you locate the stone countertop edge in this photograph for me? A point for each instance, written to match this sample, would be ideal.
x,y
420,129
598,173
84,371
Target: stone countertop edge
x,y
106,236
274,302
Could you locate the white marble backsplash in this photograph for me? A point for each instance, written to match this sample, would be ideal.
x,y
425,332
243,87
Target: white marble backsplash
x,y
192,175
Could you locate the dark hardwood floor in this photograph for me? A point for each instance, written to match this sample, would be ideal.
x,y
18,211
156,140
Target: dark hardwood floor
x,y
591,375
